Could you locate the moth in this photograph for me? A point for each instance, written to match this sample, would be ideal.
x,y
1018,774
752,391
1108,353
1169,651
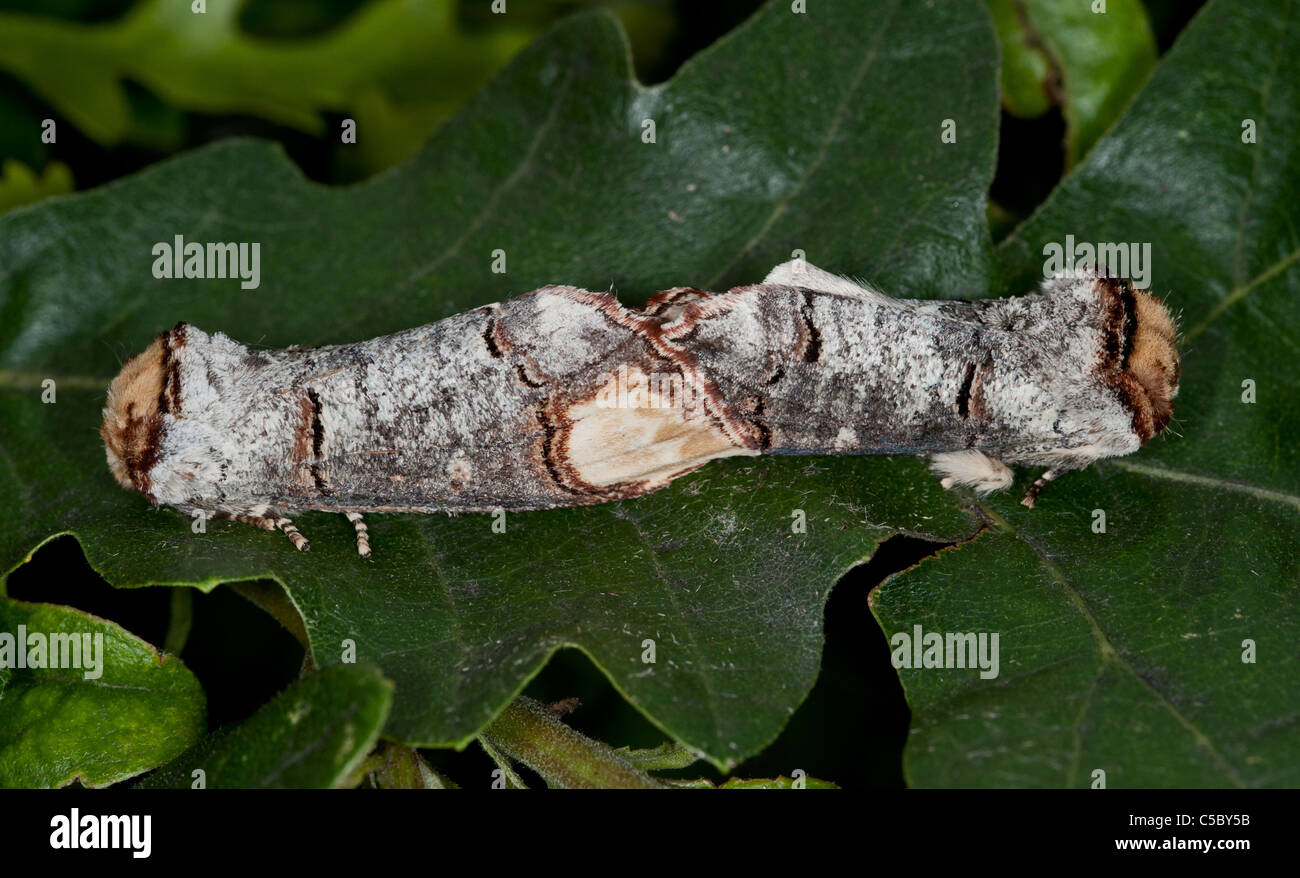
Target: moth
x,y
564,397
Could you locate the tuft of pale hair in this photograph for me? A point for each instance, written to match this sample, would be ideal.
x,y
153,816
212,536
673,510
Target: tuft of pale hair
x,y
801,273
1139,354
1154,358
129,411
971,468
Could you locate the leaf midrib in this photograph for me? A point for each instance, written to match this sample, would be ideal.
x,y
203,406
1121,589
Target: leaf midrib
x,y
1109,655
836,121
1174,475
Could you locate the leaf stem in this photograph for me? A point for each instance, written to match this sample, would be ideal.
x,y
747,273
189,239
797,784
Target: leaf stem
x,y
182,618
529,733
396,767
513,780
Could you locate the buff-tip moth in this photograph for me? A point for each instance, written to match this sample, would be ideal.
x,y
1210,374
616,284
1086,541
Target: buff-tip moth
x,y
563,397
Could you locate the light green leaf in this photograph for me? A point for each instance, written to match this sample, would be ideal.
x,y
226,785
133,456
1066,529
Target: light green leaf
x,y
528,732
57,726
204,63
19,185
1065,52
315,734
1026,69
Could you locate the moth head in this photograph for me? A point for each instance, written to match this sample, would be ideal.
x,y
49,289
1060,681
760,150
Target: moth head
x,y
1139,358
139,399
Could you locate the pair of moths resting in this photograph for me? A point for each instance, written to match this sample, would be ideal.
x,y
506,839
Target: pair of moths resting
x,y
563,397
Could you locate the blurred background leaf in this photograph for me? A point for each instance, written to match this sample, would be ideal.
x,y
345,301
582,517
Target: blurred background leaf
x,y
19,185
1089,63
204,62
158,77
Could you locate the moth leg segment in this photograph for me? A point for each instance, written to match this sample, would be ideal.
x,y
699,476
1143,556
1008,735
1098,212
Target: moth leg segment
x,y
1041,482
363,533
971,468
262,521
299,541
268,522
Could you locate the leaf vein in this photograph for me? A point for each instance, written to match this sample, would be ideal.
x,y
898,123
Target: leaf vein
x,y
836,121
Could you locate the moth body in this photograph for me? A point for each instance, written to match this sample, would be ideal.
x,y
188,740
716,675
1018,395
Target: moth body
x,y
563,397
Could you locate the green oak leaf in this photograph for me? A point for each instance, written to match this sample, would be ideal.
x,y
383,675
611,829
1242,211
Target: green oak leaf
x,y
57,727
1026,69
819,132
1125,651
1069,53
314,734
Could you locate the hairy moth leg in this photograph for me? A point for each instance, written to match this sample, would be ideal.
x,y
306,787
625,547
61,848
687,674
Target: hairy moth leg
x,y
267,521
363,533
1041,482
971,468
262,521
299,541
